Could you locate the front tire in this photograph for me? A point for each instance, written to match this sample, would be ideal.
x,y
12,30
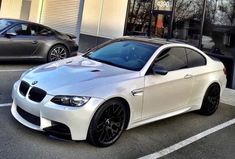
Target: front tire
x,y
57,52
211,100
107,124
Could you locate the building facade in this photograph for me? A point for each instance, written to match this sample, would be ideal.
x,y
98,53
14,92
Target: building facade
x,y
63,15
207,24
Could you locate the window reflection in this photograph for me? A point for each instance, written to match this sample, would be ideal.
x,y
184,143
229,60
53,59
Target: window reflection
x,y
219,26
161,25
187,20
138,17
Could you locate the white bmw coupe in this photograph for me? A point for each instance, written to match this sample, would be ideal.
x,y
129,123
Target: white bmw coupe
x,y
119,85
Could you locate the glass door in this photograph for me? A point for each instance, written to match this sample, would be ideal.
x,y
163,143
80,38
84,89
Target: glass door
x,y
161,24
162,18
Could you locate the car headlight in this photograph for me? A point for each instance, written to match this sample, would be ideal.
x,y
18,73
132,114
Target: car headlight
x,y
73,101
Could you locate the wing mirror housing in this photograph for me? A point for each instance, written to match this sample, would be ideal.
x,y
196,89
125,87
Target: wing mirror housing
x,y
9,35
157,69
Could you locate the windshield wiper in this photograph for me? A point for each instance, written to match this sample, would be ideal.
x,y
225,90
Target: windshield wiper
x,y
87,56
103,61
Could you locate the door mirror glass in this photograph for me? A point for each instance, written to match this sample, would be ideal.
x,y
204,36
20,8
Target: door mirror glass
x,y
9,35
157,69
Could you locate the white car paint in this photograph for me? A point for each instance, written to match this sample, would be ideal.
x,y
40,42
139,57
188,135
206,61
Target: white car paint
x,y
157,97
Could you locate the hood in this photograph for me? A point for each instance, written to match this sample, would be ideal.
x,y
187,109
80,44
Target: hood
x,y
77,73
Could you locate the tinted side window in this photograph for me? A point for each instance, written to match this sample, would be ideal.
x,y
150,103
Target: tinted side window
x,y
195,59
172,59
21,29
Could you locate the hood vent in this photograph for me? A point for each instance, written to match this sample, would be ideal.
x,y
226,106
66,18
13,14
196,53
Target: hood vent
x,y
95,70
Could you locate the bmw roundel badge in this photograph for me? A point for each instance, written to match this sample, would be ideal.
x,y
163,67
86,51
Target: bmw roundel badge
x,y
34,82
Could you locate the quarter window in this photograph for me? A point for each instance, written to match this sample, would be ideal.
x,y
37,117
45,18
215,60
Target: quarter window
x,y
42,31
195,59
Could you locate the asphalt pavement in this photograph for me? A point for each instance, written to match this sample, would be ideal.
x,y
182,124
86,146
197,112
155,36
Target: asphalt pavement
x,y
17,141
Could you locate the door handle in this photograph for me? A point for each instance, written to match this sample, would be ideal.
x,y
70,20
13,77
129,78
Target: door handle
x,y
188,76
34,42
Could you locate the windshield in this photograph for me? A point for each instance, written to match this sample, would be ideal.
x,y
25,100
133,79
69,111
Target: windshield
x,y
131,55
4,24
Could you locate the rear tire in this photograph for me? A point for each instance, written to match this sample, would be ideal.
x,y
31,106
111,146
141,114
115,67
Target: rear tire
x,y
107,124
57,52
211,100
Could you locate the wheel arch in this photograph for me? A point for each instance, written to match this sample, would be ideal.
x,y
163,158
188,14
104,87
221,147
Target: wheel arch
x,y
56,44
211,83
127,107
204,108
124,101
207,88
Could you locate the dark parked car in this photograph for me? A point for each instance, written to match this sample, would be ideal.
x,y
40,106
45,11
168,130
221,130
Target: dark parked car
x,y
27,40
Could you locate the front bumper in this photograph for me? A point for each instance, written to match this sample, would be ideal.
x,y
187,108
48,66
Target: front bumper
x,y
77,119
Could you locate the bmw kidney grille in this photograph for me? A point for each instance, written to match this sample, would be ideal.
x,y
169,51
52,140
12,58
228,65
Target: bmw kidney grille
x,y
35,94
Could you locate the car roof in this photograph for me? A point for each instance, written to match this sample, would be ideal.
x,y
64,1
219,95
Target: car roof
x,y
16,20
23,21
156,41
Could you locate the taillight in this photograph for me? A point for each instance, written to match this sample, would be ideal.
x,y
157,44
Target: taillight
x,y
225,71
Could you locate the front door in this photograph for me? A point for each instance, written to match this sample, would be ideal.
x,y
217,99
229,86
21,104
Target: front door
x,y
21,43
167,93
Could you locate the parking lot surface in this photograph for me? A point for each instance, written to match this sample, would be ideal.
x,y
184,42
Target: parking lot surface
x,y
17,141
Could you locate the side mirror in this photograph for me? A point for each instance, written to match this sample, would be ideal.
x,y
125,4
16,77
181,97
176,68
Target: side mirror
x,y
88,50
159,70
9,35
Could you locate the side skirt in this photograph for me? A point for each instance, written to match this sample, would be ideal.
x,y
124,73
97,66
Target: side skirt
x,y
164,116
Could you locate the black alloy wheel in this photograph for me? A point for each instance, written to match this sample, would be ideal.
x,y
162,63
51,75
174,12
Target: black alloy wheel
x,y
211,100
107,124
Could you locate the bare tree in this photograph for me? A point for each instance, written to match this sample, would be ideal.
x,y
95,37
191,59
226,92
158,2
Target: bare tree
x,y
188,9
228,8
139,14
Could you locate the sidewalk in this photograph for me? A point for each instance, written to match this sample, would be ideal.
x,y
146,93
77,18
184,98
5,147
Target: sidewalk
x,y
228,97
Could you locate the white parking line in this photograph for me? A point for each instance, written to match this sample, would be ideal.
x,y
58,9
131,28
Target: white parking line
x,y
188,141
20,70
5,104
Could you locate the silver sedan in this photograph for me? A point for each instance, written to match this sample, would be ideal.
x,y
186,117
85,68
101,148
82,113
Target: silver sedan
x,y
119,85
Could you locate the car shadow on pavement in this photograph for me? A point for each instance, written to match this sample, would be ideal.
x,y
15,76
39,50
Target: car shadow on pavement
x,y
133,143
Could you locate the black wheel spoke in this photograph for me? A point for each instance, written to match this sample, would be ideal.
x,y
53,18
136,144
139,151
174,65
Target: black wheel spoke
x,y
116,124
102,136
100,126
110,123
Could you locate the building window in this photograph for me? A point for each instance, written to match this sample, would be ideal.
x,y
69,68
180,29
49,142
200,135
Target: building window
x,y
138,17
161,18
25,9
185,20
219,27
188,20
